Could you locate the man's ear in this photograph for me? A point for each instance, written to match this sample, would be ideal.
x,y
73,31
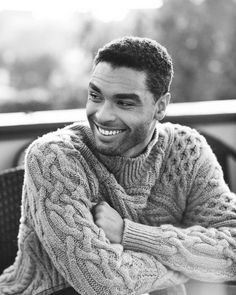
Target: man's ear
x,y
161,106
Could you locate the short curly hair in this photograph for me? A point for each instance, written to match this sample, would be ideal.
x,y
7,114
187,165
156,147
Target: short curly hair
x,y
141,54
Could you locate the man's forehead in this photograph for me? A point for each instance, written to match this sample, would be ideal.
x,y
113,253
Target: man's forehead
x,y
106,75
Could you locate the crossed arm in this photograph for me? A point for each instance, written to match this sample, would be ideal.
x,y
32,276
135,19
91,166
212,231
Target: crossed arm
x,y
207,254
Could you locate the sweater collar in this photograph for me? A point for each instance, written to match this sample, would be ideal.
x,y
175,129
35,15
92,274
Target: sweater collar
x,y
129,171
140,158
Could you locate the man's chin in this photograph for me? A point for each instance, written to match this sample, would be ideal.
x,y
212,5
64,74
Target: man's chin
x,y
107,151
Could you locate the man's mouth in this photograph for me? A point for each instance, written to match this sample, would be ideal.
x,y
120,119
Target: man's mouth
x,y
108,132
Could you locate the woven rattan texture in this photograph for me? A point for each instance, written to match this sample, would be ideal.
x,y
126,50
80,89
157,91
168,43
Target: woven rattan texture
x,y
11,182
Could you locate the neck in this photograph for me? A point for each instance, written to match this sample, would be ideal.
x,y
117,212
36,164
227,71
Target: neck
x,y
139,148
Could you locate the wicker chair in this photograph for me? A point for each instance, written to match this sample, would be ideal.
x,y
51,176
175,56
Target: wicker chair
x,y
11,181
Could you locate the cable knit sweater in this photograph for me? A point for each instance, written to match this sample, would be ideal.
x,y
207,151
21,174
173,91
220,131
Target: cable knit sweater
x,y
179,215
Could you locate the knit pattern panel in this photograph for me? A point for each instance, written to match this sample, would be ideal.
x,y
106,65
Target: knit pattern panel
x,y
203,245
179,216
60,200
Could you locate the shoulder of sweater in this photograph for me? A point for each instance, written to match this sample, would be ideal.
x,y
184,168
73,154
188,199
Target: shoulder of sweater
x,y
179,130
187,154
182,134
186,142
67,137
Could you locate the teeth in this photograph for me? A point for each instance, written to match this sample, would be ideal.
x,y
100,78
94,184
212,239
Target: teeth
x,y
109,132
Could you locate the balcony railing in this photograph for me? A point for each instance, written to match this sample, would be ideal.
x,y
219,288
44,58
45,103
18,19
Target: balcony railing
x,y
217,118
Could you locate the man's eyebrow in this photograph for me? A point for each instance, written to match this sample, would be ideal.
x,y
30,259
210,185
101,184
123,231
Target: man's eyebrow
x,y
132,96
94,87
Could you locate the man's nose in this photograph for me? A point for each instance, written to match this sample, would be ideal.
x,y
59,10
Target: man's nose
x,y
105,113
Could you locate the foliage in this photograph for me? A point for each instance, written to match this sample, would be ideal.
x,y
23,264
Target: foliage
x,y
32,72
199,34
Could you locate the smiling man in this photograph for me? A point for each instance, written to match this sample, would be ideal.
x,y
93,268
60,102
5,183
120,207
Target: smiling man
x,y
128,204
121,111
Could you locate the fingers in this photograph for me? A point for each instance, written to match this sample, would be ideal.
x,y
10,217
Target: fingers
x,y
100,206
103,203
98,209
100,222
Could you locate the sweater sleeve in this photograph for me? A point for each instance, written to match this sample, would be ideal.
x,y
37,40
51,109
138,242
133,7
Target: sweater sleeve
x,y
59,195
204,247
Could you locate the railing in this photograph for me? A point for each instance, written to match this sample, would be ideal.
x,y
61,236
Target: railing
x,y
193,113
218,118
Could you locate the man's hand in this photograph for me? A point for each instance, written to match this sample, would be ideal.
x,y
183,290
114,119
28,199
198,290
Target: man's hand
x,y
109,220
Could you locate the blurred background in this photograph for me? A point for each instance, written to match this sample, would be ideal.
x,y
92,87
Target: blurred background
x,y
47,47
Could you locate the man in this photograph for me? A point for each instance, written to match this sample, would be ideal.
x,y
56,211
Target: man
x,y
128,205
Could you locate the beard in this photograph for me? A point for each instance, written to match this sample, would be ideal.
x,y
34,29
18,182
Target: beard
x,y
130,144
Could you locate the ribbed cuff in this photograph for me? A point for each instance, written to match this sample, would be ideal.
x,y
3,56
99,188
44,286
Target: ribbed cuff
x,y
139,237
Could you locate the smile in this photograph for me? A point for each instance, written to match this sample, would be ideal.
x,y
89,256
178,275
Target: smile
x,y
106,132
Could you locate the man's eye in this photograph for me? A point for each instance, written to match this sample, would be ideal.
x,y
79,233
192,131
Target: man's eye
x,y
94,97
125,103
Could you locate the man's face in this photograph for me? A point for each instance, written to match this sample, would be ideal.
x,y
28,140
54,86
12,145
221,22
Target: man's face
x,y
120,110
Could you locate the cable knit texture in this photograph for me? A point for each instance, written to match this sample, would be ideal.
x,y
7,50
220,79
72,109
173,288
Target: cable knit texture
x,y
180,216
